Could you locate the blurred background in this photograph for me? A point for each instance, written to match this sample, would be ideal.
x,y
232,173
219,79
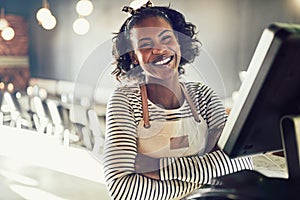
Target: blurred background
x,y
55,81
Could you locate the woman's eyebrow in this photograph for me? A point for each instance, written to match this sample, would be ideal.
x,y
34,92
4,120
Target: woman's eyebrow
x,y
163,32
143,39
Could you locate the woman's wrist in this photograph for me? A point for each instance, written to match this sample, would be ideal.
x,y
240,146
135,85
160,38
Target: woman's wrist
x,y
147,166
144,164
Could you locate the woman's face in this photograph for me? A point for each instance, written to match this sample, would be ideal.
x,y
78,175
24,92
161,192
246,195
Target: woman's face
x,y
156,48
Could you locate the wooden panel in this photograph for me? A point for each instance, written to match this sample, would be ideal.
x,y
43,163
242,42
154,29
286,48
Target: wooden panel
x,y
14,63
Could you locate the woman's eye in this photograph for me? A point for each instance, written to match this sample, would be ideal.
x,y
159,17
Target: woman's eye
x,y
145,45
166,38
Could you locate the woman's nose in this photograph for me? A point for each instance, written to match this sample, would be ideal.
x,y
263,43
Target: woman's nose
x,y
159,49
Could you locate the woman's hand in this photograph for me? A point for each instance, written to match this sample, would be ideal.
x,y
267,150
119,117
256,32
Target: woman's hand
x,y
147,166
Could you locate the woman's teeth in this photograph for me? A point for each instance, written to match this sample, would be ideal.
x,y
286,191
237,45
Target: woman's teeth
x,y
163,61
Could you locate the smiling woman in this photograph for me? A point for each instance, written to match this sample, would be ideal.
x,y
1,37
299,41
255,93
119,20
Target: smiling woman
x,y
155,48
161,133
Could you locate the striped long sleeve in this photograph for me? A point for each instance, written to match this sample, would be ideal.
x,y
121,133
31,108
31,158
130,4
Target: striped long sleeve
x,y
201,169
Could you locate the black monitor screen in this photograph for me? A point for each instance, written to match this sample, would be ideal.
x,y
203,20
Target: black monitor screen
x,y
270,90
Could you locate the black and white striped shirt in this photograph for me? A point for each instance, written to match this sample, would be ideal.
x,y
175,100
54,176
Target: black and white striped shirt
x,y
179,176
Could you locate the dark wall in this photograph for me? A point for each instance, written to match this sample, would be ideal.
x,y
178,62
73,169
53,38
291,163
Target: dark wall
x,y
253,16
60,53
16,7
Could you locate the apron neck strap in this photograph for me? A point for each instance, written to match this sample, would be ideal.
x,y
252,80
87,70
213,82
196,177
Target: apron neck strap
x,y
190,102
145,104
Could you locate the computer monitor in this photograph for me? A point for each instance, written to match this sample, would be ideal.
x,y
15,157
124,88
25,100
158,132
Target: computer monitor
x,y
268,97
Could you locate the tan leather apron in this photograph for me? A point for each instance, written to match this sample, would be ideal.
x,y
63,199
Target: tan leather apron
x,y
172,138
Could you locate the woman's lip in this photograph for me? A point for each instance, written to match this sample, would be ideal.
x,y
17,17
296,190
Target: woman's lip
x,y
162,60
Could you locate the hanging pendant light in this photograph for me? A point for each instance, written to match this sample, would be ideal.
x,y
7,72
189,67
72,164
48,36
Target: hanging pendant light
x,y
49,23
42,14
3,23
81,26
45,18
7,32
84,7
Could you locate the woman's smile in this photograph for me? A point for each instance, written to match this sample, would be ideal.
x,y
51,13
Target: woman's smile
x,y
162,61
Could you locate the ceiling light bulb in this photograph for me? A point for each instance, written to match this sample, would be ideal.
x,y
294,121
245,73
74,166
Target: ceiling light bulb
x,y
3,23
81,26
84,7
42,14
8,33
49,22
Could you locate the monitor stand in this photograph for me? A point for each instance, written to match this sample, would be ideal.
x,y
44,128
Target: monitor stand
x,y
290,135
250,184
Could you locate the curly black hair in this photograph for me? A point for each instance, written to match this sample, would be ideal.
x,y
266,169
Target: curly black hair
x,y
185,31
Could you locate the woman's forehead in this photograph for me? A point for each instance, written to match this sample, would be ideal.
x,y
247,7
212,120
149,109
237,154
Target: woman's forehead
x,y
154,21
149,26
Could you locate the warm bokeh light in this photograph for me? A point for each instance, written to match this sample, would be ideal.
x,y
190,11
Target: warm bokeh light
x,y
29,90
10,87
3,24
8,33
18,95
43,93
45,17
49,22
81,26
43,14
84,7
2,86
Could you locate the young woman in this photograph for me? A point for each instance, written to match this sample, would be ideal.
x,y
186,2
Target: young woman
x,y
161,133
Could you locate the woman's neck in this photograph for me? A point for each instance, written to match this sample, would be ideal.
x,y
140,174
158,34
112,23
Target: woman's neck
x,y
166,94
